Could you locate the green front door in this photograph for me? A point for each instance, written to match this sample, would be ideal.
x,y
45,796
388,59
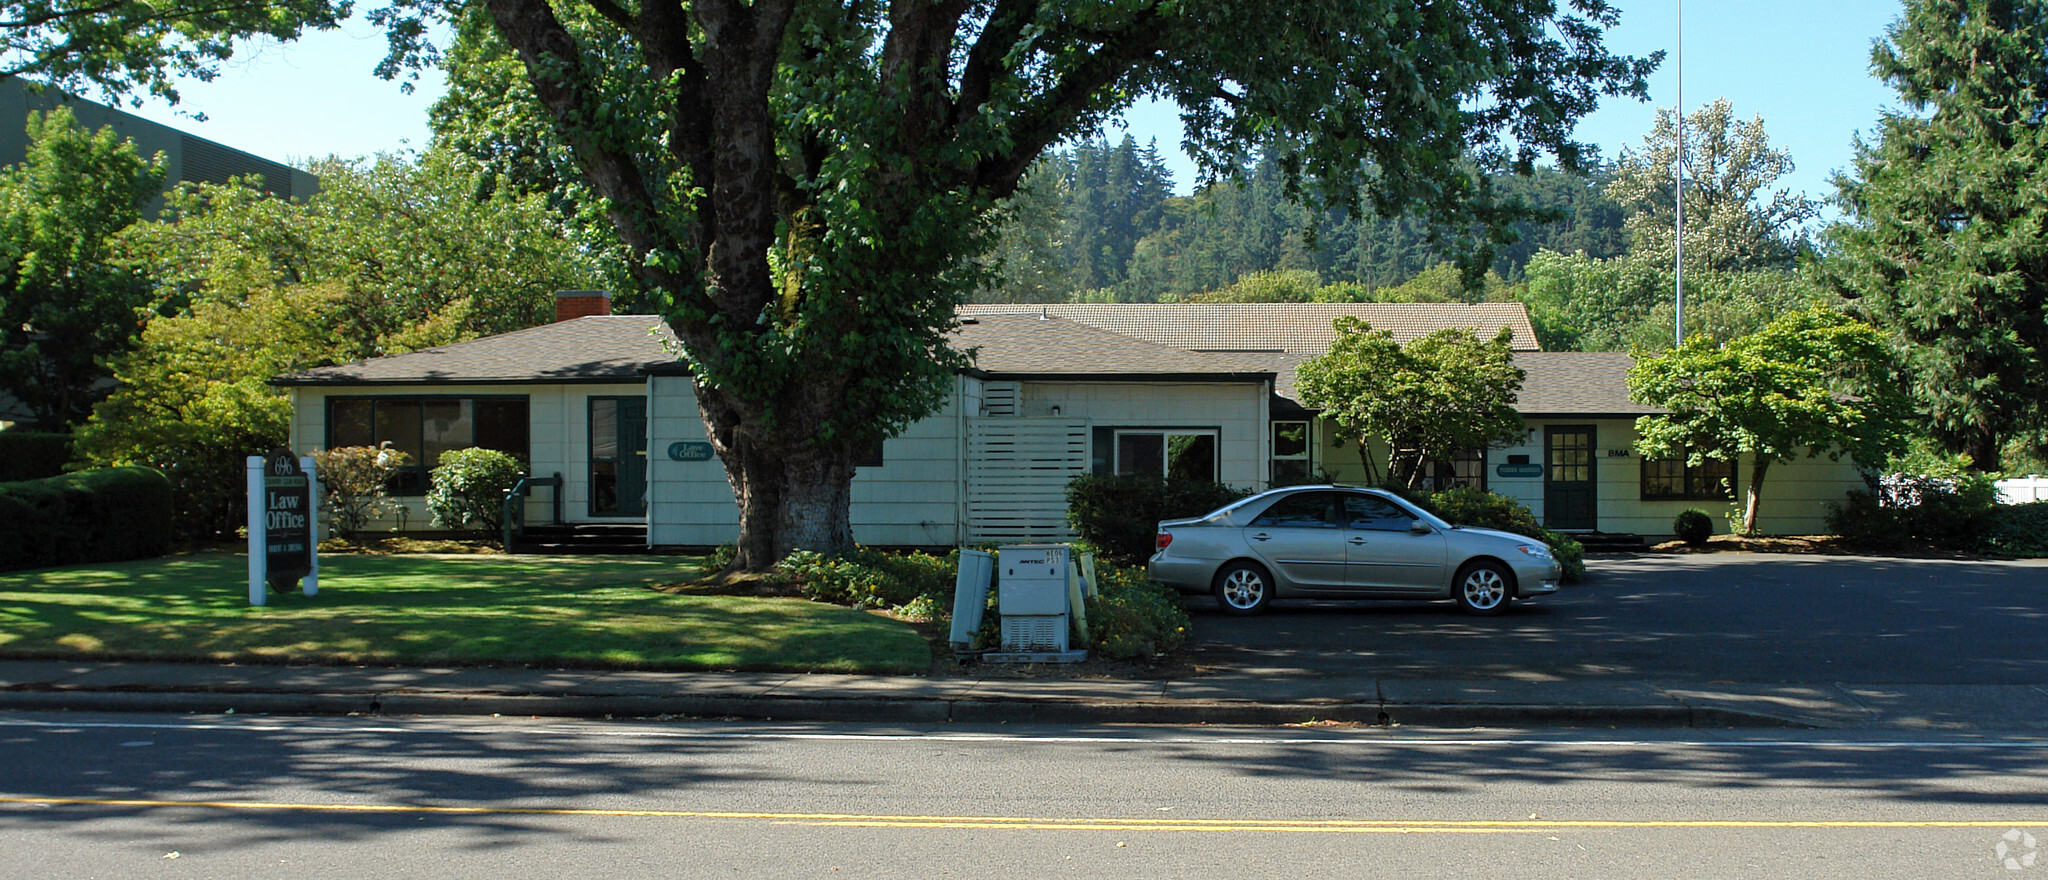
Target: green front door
x,y
1568,487
618,456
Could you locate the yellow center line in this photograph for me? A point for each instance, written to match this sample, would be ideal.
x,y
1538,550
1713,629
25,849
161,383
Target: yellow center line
x,y
855,820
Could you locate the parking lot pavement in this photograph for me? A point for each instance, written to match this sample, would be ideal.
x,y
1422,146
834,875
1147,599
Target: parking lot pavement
x,y
1734,617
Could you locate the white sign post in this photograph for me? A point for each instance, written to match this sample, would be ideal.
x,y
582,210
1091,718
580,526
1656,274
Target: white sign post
x,y
284,524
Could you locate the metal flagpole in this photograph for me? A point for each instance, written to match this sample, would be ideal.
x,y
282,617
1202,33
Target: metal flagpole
x,y
1678,312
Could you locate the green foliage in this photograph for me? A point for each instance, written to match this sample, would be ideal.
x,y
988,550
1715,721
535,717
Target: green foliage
x,y
2018,530
123,48
1811,383
1580,303
1948,513
355,482
468,489
99,515
194,402
810,201
1692,525
1446,392
864,577
30,455
1947,244
1733,220
391,255
387,257
1134,617
66,306
1466,506
1119,516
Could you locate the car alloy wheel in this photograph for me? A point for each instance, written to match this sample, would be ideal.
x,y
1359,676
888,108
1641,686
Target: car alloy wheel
x,y
1483,589
1243,588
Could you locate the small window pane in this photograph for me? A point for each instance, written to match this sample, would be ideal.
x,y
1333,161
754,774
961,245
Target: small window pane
x,y
604,429
349,424
1191,457
502,425
444,425
1140,455
1290,439
398,422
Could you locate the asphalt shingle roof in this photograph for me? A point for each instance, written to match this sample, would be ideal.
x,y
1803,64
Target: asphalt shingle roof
x,y
606,348
1014,343
1031,345
1293,328
1577,383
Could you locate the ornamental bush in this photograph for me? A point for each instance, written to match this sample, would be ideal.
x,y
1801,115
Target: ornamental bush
x,y
1119,516
1943,512
469,487
2018,530
98,515
356,484
1692,526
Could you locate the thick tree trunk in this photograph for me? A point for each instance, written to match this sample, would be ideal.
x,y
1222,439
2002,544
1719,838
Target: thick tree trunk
x,y
1754,498
794,493
1984,450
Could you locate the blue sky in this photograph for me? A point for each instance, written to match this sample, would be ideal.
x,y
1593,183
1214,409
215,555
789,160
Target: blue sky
x,y
1802,64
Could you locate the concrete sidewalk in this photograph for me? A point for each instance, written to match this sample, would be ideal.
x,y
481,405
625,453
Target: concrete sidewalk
x,y
1238,699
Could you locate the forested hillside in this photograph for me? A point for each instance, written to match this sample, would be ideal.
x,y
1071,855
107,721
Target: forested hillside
x,y
1098,222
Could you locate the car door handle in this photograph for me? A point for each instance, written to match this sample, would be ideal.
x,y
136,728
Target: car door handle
x,y
1262,536
1356,542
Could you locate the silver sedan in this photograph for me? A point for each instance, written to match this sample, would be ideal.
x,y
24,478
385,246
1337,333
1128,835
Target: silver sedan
x,y
1337,542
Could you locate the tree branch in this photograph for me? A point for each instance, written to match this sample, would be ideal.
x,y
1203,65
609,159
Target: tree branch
x,y
1044,122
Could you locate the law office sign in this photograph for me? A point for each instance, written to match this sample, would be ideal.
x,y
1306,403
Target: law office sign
x,y
283,512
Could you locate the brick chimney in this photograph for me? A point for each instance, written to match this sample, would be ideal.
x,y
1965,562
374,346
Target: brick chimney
x,y
571,304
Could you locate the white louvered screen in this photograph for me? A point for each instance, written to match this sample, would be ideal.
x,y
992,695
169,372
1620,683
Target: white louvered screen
x,y
1001,399
1017,473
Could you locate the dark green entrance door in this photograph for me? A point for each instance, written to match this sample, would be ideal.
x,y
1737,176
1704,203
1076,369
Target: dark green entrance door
x,y
1569,499
618,456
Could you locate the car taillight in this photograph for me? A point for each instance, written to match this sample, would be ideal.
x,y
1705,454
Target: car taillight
x,y
1165,538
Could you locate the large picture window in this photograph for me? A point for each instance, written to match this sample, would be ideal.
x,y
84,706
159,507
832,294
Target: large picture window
x,y
425,427
1178,454
1467,468
1671,479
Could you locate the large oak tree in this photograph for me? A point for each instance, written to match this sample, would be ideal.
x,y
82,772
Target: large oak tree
x,y
804,185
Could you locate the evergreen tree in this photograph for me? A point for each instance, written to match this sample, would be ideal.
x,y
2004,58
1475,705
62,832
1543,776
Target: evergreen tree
x,y
1949,244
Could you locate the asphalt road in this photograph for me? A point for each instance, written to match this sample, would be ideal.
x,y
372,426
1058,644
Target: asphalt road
x,y
226,797
1735,617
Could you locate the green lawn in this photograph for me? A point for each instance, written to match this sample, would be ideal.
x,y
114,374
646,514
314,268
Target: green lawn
x,y
439,609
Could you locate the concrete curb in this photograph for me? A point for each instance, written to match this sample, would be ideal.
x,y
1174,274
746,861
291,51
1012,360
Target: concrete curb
x,y
913,711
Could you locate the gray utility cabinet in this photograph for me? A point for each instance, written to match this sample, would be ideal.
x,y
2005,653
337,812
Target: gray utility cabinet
x,y
1032,595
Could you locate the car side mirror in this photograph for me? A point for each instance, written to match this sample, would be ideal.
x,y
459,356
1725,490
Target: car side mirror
x,y
1419,527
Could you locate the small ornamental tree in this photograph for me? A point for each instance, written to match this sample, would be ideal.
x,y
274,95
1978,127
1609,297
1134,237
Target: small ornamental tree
x,y
356,481
1810,383
1446,392
469,487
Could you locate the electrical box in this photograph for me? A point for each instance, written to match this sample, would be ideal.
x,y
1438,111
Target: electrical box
x,y
1039,596
970,596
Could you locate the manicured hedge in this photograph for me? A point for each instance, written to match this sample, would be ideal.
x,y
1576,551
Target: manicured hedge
x,y
29,455
99,515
